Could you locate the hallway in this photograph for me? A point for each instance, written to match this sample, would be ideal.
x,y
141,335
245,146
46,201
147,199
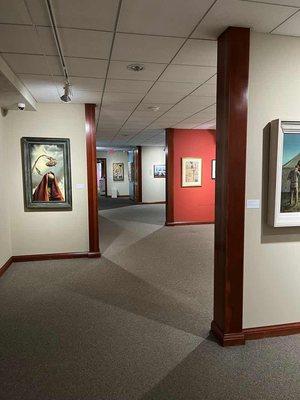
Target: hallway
x,y
132,325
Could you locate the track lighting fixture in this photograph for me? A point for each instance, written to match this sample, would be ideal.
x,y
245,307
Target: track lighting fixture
x,y
66,97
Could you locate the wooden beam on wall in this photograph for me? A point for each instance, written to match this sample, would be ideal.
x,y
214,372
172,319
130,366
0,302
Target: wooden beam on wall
x,y
232,107
91,152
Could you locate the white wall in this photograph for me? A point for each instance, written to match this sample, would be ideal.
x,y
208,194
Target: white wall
x,y
5,236
272,255
116,157
55,231
153,189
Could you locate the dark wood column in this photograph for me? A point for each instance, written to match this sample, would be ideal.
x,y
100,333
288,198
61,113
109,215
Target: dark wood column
x,y
90,127
138,189
232,106
170,176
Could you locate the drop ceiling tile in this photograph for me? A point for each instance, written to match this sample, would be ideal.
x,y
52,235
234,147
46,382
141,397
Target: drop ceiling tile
x,y
291,3
198,52
128,86
87,14
290,27
122,97
13,12
145,48
108,115
166,98
144,107
91,84
109,124
260,17
86,97
115,106
85,67
194,104
206,90
184,73
42,84
85,43
33,64
156,17
183,88
118,70
78,42
19,39
207,125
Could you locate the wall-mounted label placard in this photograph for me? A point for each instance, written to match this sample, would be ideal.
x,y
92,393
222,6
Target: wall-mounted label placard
x,y
253,203
80,186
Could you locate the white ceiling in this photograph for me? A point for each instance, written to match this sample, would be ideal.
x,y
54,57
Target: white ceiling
x,y
174,40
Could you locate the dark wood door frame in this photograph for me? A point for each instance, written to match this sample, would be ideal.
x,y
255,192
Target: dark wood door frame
x,y
104,163
91,153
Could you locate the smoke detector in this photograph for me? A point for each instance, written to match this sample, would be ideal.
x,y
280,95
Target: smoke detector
x,y
135,67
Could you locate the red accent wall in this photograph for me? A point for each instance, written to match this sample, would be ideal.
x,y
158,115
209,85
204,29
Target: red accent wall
x,y
192,204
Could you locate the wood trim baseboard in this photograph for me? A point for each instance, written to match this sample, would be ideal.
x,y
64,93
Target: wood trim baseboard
x,y
188,223
44,257
6,266
55,256
153,202
272,331
227,339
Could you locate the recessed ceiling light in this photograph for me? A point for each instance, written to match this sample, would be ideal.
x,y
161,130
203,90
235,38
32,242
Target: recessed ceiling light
x,y
153,108
135,67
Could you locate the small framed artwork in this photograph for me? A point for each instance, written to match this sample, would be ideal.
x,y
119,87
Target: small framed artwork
x,y
118,172
159,171
191,172
213,169
46,173
284,174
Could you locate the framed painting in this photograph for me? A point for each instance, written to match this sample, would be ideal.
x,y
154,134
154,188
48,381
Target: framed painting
x,y
46,173
191,172
213,169
284,174
159,171
118,172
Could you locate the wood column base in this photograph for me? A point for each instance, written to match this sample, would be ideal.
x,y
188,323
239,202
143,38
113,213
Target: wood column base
x,y
227,339
262,332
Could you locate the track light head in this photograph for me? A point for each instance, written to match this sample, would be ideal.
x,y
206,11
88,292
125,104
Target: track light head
x,y
66,98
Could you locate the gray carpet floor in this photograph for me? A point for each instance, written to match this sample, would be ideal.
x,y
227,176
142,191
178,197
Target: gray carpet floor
x,y
133,325
107,203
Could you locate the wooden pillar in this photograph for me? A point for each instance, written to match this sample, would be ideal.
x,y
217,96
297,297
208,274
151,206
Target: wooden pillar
x,y
169,176
90,127
232,105
138,193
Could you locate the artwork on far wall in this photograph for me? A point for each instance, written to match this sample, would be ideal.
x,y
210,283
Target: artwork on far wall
x,y
191,171
159,171
46,173
213,169
118,172
284,174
